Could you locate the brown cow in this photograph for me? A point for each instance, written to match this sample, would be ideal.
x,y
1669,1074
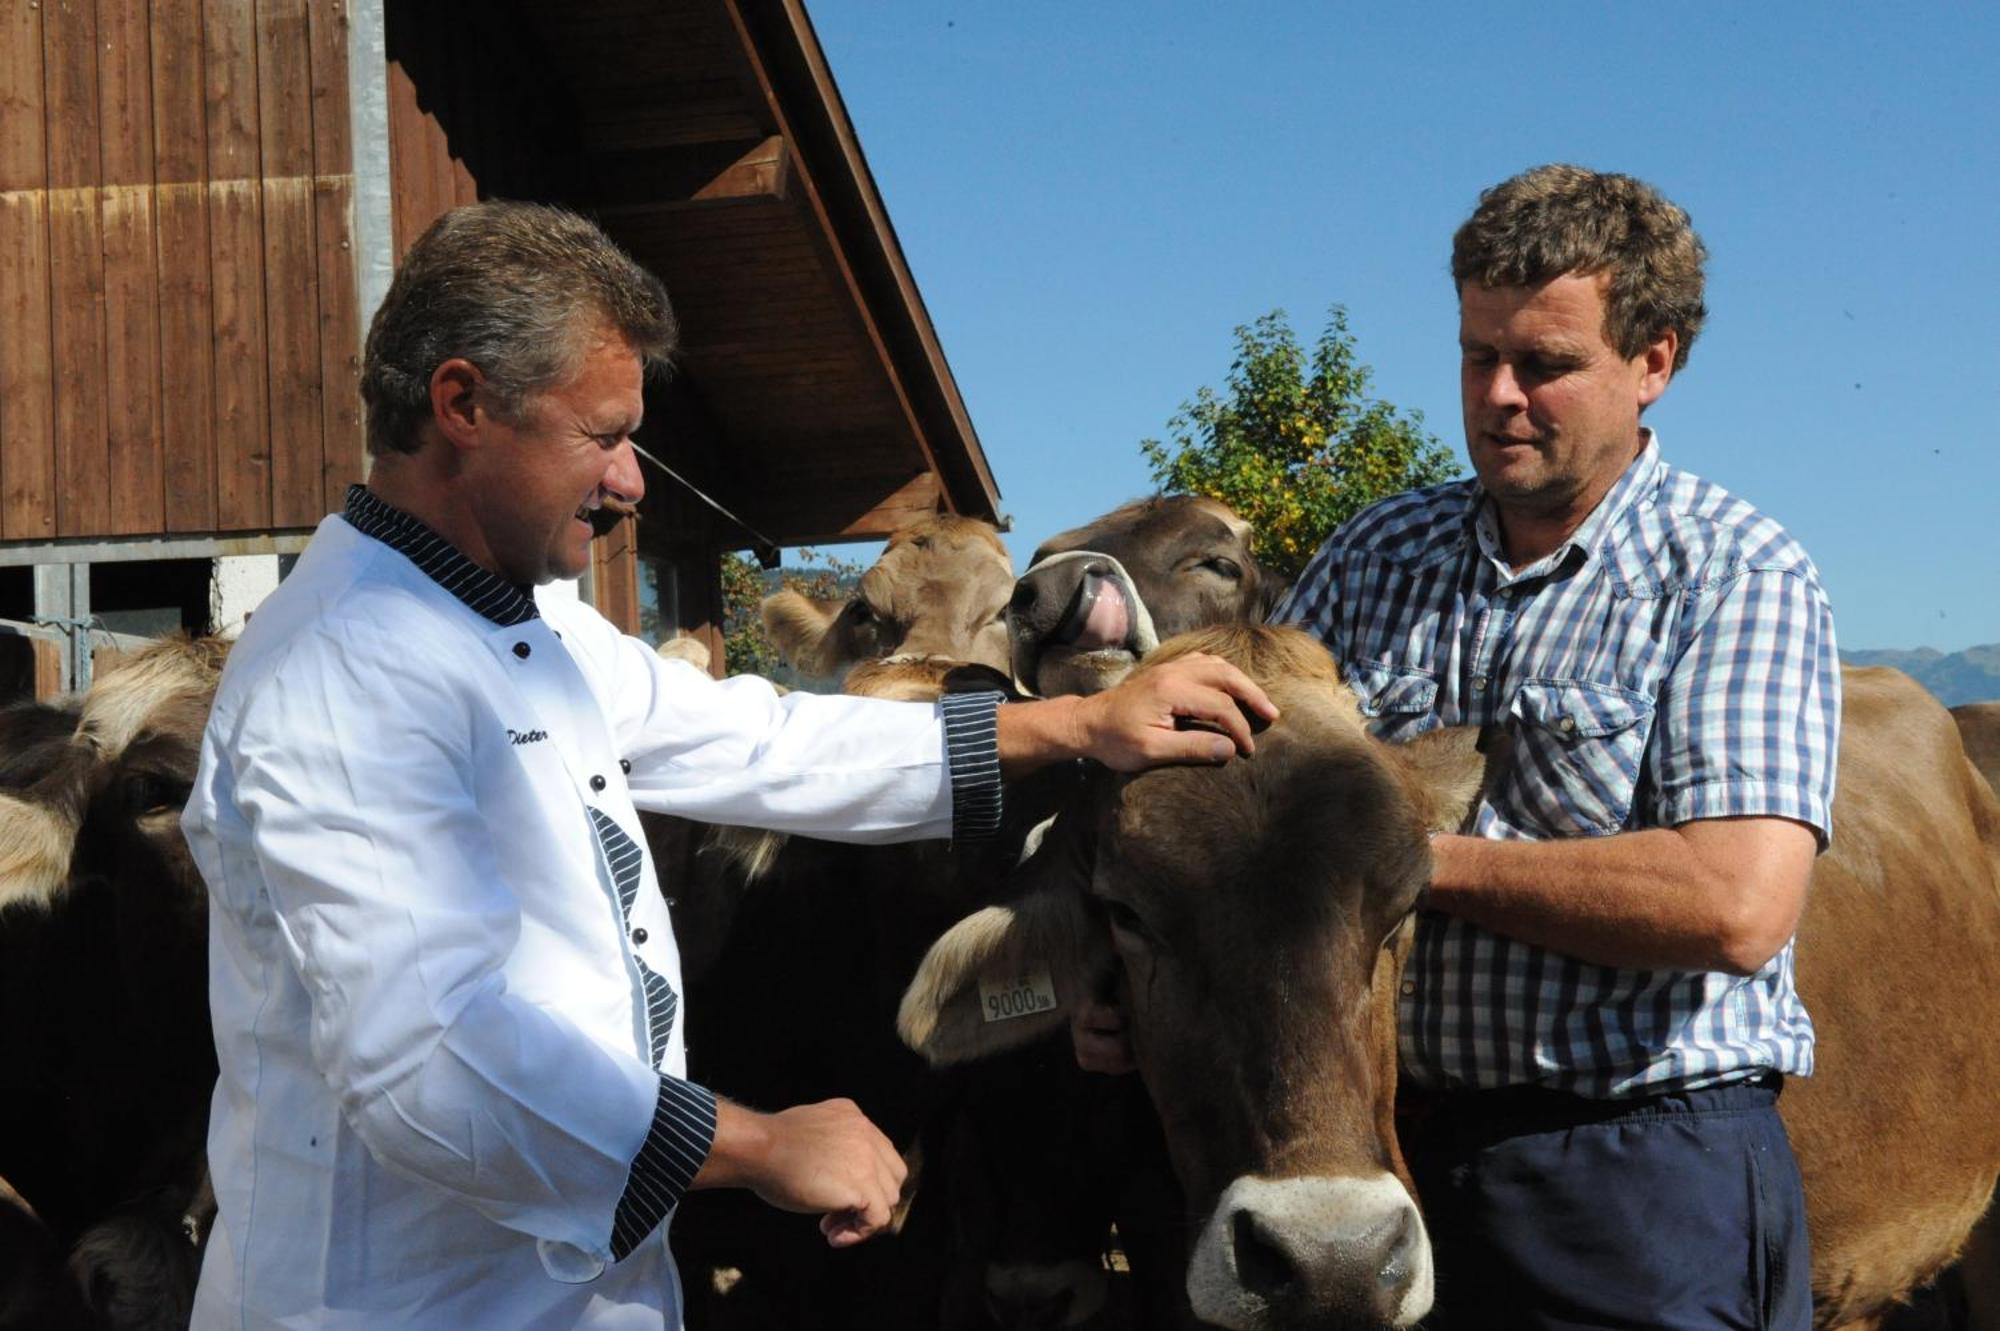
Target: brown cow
x,y
1895,1133
1259,984
1272,1067
1099,596
103,982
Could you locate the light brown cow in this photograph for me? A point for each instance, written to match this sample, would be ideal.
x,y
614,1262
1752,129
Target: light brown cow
x,y
938,591
1896,1133
1227,891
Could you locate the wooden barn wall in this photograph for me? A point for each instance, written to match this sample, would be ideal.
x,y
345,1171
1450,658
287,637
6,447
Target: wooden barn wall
x,y
177,279
475,112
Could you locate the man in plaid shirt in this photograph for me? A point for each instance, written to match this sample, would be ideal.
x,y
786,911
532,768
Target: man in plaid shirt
x,y
1599,1010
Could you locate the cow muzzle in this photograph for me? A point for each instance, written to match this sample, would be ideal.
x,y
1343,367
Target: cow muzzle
x,y
1312,1252
1078,624
1044,1297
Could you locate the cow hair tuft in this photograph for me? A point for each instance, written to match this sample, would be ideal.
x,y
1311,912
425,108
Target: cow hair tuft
x,y
168,676
751,851
36,842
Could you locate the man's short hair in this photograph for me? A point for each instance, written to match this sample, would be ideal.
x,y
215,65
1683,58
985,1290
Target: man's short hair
x,y
1556,220
522,290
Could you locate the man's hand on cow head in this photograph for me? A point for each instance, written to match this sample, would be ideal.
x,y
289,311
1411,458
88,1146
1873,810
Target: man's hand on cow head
x,y
1194,709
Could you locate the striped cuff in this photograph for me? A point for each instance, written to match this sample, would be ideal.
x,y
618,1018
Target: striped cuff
x,y
972,749
682,1132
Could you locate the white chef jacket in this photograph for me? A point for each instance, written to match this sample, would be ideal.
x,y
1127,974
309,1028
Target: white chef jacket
x,y
437,1078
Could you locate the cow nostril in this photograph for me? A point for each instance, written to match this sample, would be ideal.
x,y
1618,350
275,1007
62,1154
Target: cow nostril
x,y
1263,1264
1399,1266
1023,599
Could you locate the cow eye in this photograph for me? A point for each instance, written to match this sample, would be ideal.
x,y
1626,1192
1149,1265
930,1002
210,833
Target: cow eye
x,y
1125,920
1223,568
150,792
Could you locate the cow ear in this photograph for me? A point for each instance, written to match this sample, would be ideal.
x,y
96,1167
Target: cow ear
x,y
999,978
801,627
1447,771
35,846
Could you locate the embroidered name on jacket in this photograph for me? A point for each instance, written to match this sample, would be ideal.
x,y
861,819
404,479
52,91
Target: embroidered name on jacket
x,y
526,736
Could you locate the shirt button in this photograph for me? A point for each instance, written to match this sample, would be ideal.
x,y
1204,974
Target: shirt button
x,y
1409,986
1567,724
521,649
625,766
1479,682
597,783
639,937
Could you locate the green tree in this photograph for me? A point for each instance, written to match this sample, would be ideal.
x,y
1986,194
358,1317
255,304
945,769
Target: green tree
x,y
744,586
1296,446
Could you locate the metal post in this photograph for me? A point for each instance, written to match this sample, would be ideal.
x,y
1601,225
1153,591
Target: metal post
x,y
62,596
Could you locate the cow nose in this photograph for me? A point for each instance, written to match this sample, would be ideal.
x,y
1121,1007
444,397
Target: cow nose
x,y
1280,1263
1312,1251
1045,1296
1022,603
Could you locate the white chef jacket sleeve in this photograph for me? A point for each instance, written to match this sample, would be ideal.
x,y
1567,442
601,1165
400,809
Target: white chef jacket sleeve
x,y
846,769
352,775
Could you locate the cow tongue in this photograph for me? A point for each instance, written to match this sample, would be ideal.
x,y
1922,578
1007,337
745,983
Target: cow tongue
x,y
1102,619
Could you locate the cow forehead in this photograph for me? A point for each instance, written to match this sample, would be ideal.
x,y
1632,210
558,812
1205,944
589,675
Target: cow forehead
x,y
1177,517
1309,820
936,568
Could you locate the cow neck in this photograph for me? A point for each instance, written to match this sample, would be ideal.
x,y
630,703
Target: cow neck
x,y
485,593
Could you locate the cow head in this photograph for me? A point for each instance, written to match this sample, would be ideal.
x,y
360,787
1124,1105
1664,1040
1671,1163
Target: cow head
x,y
1246,913
123,770
1102,595
939,590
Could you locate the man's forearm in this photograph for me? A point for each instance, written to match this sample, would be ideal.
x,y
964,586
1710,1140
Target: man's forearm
x,y
1718,895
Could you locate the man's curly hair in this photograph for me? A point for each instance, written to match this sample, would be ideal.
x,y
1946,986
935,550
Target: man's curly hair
x,y
1557,219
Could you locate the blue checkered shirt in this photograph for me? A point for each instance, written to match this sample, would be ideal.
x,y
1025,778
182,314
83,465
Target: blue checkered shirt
x,y
1674,660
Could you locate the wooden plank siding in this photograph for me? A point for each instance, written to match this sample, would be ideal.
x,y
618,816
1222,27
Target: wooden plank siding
x,y
178,326
342,457
131,269
187,314
27,393
76,267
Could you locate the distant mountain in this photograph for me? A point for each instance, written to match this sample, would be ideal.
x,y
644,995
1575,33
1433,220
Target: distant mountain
x,y
1972,675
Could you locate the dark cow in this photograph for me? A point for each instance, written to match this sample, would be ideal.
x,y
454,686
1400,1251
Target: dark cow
x,y
1246,905
103,984
1098,597
797,951
1979,728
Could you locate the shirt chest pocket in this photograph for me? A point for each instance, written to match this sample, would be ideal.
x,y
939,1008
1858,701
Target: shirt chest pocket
x,y
1579,750
1400,702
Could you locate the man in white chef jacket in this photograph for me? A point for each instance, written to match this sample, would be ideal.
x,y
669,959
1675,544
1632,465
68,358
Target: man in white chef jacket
x,y
444,984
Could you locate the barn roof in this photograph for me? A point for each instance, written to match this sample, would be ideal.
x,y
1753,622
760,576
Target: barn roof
x,y
715,145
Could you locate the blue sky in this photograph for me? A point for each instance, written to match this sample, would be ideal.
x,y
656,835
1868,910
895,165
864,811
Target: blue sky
x,y
1093,194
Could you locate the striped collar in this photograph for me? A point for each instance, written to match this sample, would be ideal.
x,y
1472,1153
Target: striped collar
x,y
488,594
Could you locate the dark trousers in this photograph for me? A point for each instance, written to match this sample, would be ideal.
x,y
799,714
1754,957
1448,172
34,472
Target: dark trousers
x,y
1555,1213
